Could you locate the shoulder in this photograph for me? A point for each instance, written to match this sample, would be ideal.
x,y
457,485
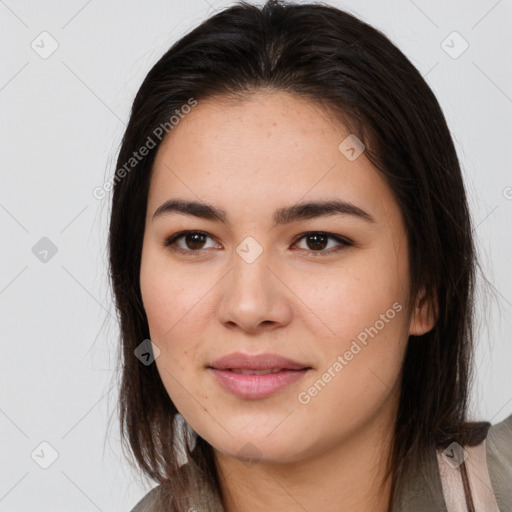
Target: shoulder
x,y
499,442
147,501
499,461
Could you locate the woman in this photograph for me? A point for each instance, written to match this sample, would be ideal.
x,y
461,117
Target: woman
x,y
292,259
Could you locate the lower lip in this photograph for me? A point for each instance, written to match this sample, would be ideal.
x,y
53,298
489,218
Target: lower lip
x,y
257,386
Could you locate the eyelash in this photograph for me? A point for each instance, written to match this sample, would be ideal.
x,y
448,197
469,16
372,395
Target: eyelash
x,y
171,243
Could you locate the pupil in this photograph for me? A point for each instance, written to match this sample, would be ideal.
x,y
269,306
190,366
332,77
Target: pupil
x,y
196,239
316,237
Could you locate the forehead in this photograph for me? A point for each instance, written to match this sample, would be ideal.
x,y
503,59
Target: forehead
x,y
266,150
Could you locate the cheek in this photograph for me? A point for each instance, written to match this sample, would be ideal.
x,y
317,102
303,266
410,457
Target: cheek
x,y
178,311
362,313
347,300
173,308
171,298
362,346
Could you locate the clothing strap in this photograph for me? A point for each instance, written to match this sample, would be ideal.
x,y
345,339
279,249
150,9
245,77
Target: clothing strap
x,y
465,479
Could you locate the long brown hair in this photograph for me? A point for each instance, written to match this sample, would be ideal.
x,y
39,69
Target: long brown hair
x,y
331,57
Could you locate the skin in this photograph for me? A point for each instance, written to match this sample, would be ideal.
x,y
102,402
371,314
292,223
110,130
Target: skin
x,y
251,157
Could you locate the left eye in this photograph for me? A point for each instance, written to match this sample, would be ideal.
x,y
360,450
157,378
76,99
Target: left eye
x,y
194,242
319,239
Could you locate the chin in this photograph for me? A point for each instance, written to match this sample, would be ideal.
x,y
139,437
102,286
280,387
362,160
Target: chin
x,y
261,450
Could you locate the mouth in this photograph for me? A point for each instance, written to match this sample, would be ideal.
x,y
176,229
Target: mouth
x,y
257,376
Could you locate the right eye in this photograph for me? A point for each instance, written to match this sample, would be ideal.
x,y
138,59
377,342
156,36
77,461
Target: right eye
x,y
194,240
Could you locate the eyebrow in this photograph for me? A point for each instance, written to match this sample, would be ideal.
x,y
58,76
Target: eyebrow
x,y
286,215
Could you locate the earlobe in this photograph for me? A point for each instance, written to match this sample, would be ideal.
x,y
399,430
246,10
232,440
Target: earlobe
x,y
424,316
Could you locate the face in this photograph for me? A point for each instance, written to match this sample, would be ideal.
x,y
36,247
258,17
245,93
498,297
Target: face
x,y
325,288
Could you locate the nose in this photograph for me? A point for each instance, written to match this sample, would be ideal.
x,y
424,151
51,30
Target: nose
x,y
254,296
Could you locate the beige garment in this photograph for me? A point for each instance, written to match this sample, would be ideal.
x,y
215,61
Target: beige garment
x,y
438,485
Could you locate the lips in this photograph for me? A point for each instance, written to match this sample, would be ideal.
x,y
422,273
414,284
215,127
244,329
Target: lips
x,y
241,361
256,376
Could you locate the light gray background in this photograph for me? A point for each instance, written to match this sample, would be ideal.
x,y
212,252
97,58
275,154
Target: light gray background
x,y
62,122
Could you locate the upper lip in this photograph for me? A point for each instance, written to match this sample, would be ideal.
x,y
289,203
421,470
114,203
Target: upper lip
x,y
241,361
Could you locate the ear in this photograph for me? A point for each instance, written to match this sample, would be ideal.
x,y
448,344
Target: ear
x,y
424,316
